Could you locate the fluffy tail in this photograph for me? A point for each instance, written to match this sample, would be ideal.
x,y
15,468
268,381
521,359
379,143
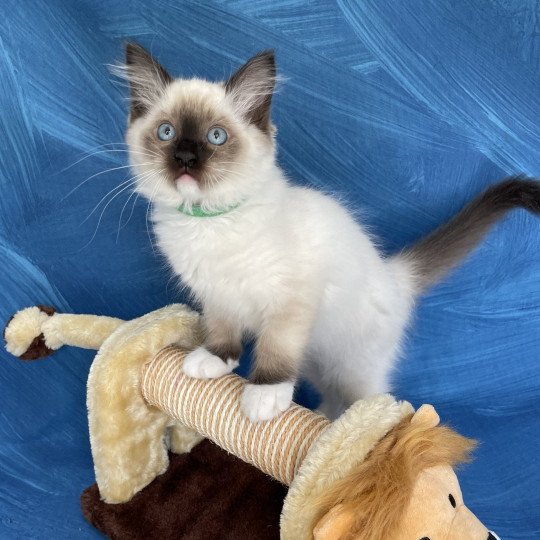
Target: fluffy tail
x,y
442,250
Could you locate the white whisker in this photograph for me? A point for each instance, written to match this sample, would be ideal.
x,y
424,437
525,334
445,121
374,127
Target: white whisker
x,y
98,174
227,171
147,210
103,211
108,151
144,179
129,182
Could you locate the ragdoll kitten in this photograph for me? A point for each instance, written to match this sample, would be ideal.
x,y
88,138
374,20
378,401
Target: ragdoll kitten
x,y
283,263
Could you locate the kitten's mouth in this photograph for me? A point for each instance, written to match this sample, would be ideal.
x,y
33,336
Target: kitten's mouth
x,y
187,185
186,178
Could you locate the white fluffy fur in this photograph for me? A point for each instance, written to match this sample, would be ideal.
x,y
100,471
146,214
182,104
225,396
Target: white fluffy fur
x,y
284,249
264,401
201,364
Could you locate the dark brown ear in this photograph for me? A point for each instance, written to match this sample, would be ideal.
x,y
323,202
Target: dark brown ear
x,y
251,88
147,79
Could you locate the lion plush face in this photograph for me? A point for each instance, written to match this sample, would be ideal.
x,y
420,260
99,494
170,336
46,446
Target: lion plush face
x,y
437,512
405,490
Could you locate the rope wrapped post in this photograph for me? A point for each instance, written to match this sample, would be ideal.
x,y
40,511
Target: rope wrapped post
x,y
212,408
299,448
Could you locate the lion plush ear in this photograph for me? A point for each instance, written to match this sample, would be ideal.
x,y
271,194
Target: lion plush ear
x,y
335,524
426,416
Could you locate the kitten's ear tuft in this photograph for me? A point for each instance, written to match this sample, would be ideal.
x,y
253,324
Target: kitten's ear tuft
x,y
251,89
147,79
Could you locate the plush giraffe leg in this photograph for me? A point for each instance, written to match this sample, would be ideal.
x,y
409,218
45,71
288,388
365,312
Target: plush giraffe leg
x,y
85,331
182,439
36,332
126,434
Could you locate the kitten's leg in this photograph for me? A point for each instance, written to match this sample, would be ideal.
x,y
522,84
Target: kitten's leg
x,y
356,382
332,404
338,396
342,378
278,354
221,351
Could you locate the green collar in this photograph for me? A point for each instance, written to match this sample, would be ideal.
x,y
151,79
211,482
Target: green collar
x,y
197,211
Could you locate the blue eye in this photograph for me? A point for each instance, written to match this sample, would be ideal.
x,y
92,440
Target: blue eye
x,y
216,136
165,132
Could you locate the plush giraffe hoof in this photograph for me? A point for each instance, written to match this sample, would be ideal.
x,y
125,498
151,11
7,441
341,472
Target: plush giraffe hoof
x,y
23,335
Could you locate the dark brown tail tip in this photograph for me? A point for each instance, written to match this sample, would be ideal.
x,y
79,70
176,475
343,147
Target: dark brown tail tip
x,y
516,192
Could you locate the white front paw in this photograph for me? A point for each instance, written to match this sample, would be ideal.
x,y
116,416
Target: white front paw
x,y
201,364
265,401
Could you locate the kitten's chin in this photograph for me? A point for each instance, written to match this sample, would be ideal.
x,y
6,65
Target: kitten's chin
x,y
185,178
188,187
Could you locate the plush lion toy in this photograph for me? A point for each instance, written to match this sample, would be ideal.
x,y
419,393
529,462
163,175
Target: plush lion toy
x,y
405,490
379,472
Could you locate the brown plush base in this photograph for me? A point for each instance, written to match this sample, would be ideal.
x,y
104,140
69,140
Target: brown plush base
x,y
204,495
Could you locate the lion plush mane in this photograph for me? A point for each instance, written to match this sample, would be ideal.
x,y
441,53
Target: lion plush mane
x,y
378,490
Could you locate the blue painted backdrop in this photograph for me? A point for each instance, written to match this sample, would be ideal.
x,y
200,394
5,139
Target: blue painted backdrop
x,y
406,109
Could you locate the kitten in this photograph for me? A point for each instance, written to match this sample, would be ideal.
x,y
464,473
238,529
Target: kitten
x,y
283,263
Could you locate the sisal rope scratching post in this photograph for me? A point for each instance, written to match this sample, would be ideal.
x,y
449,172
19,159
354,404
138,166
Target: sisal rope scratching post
x,y
299,448
212,408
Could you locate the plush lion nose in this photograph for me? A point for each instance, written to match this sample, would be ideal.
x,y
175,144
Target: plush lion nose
x,y
186,154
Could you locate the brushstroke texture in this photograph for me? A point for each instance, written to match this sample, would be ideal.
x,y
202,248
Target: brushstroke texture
x,y
404,110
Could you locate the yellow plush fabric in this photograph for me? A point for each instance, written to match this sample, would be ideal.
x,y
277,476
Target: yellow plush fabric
x,y
127,436
86,331
23,328
344,444
405,489
57,329
430,513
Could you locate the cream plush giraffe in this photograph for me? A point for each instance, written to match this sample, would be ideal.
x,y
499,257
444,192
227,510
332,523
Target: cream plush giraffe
x,y
381,471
